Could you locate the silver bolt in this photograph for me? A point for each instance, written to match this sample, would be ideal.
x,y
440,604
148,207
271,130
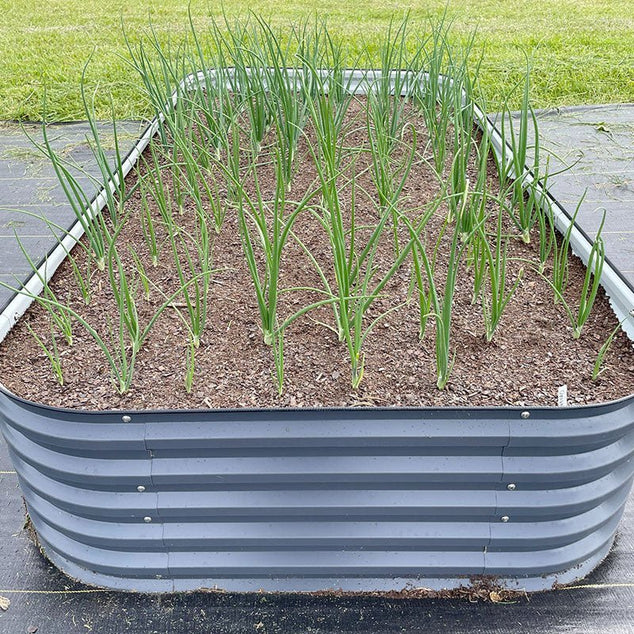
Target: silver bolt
x,y
140,488
505,518
525,414
147,520
126,418
511,487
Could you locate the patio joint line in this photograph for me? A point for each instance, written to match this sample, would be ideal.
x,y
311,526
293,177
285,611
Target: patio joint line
x,y
596,586
95,590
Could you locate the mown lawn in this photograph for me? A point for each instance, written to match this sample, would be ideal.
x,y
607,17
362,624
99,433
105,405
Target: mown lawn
x,y
582,51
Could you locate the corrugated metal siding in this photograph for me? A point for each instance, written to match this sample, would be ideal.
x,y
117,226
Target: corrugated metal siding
x,y
310,500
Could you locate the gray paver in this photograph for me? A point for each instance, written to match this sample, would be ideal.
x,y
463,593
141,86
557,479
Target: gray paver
x,y
14,258
595,147
37,220
30,193
5,293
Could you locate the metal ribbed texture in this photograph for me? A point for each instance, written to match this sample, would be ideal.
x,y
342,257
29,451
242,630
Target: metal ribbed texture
x,y
315,500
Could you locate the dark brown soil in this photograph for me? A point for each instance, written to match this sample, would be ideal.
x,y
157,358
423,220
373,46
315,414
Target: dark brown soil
x,y
477,589
531,355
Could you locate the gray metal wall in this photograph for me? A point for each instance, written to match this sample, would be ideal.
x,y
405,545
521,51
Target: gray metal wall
x,y
310,500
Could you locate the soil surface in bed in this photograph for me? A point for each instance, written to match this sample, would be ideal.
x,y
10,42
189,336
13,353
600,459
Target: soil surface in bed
x,y
531,355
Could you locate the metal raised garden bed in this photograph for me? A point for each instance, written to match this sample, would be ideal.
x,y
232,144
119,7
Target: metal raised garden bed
x,y
323,499
307,500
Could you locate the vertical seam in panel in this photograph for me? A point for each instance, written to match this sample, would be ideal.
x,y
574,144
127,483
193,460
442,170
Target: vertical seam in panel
x,y
496,493
155,495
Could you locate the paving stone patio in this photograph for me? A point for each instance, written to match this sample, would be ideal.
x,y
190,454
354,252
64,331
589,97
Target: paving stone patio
x,y
593,148
33,206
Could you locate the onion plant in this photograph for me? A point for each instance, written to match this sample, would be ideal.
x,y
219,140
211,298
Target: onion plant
x,y
420,270
545,226
58,314
327,160
162,69
82,279
389,179
432,94
51,351
200,185
327,114
191,250
463,147
517,181
290,112
144,278
597,368
358,283
560,252
111,169
265,228
441,303
190,365
129,333
147,221
119,352
154,188
339,80
473,213
591,281
122,343
472,209
443,89
94,226
205,146
496,260
389,92
211,93
249,82
479,262
192,261
354,267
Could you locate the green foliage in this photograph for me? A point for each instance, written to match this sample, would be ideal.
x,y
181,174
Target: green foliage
x,y
269,90
579,48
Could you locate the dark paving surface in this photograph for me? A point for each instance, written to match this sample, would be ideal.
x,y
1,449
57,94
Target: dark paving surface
x,y
44,598
41,597
30,193
595,147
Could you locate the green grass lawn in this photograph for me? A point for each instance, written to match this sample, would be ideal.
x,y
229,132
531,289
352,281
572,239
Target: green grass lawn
x,y
582,51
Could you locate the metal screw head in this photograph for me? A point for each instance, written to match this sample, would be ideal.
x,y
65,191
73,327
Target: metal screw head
x,y
126,418
505,518
511,487
140,488
147,520
525,414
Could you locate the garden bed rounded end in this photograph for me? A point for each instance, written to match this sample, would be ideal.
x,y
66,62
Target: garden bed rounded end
x,y
323,500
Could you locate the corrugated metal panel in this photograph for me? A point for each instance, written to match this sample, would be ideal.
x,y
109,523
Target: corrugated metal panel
x,y
322,499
